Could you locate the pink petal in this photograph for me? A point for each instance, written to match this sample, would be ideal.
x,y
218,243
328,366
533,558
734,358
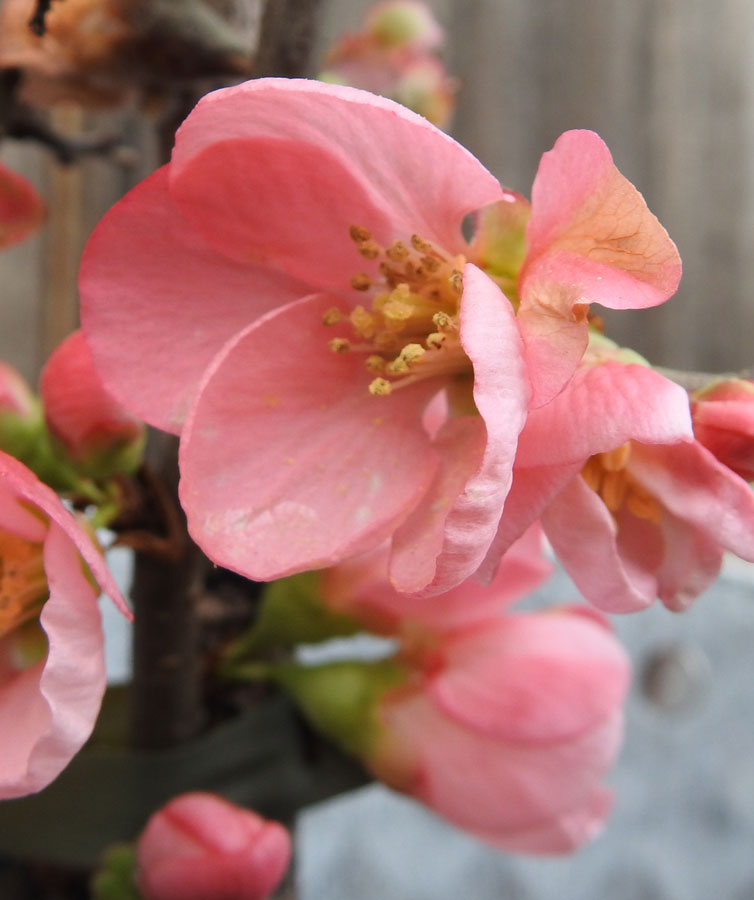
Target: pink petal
x,y
533,678
584,536
474,505
280,169
158,302
50,709
695,487
602,407
566,833
16,477
288,463
691,563
591,231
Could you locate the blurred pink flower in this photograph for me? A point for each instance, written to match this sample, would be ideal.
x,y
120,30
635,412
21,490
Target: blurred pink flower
x,y
22,211
97,434
634,508
224,292
723,416
200,846
52,668
505,727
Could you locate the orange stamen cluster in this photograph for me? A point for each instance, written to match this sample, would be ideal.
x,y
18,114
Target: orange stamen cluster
x,y
23,584
410,329
608,476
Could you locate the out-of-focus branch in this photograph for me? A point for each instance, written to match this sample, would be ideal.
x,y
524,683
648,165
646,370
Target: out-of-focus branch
x,y
287,35
37,21
692,381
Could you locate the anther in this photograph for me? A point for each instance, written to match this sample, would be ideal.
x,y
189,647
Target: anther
x,y
361,282
359,233
340,345
435,340
456,281
380,387
418,243
397,251
617,459
430,263
375,364
442,321
369,249
332,316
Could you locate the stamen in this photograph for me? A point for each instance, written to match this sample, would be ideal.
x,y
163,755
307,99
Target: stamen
x,y
456,281
332,316
359,234
435,340
643,505
408,356
397,251
369,249
616,460
380,387
375,364
361,282
364,322
340,345
614,490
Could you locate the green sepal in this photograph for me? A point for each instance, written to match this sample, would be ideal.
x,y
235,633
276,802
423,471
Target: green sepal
x,y
291,612
114,880
341,699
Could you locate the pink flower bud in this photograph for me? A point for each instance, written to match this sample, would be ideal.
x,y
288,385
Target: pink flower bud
x,y
723,416
21,208
200,846
98,435
407,24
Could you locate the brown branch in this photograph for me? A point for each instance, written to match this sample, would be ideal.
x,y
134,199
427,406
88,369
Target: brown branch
x,y
287,36
37,21
692,381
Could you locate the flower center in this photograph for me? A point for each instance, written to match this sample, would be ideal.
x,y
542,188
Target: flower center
x,y
409,331
608,476
23,584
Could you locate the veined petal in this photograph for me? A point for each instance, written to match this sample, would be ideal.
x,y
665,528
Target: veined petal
x,y
490,337
158,302
287,462
691,563
591,231
291,164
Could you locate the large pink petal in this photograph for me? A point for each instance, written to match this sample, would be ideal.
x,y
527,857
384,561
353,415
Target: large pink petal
x,y
17,478
602,407
281,168
158,302
691,562
586,540
532,679
50,709
696,487
288,463
474,504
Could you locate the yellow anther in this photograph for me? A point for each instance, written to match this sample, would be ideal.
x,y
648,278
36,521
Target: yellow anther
x,y
369,249
359,233
375,364
397,251
616,460
397,313
430,263
380,387
361,282
340,345
456,281
363,321
408,356
418,243
332,316
442,321
643,505
592,473
435,340
614,489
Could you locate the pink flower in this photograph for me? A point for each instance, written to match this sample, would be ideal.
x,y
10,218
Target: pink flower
x,y
723,415
52,670
200,846
505,728
205,292
97,434
634,507
21,208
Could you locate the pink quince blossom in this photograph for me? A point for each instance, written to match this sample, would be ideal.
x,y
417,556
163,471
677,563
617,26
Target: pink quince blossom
x,y
221,299
52,669
633,506
723,415
200,846
97,434
21,208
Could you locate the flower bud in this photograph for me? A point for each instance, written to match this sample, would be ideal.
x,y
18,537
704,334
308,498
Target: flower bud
x,y
723,416
98,435
21,209
406,24
505,728
21,422
200,846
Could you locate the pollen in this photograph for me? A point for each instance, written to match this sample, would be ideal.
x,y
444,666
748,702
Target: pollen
x,y
340,345
23,585
332,316
361,282
380,387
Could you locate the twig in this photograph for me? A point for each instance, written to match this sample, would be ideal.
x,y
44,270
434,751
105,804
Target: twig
x,y
37,21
